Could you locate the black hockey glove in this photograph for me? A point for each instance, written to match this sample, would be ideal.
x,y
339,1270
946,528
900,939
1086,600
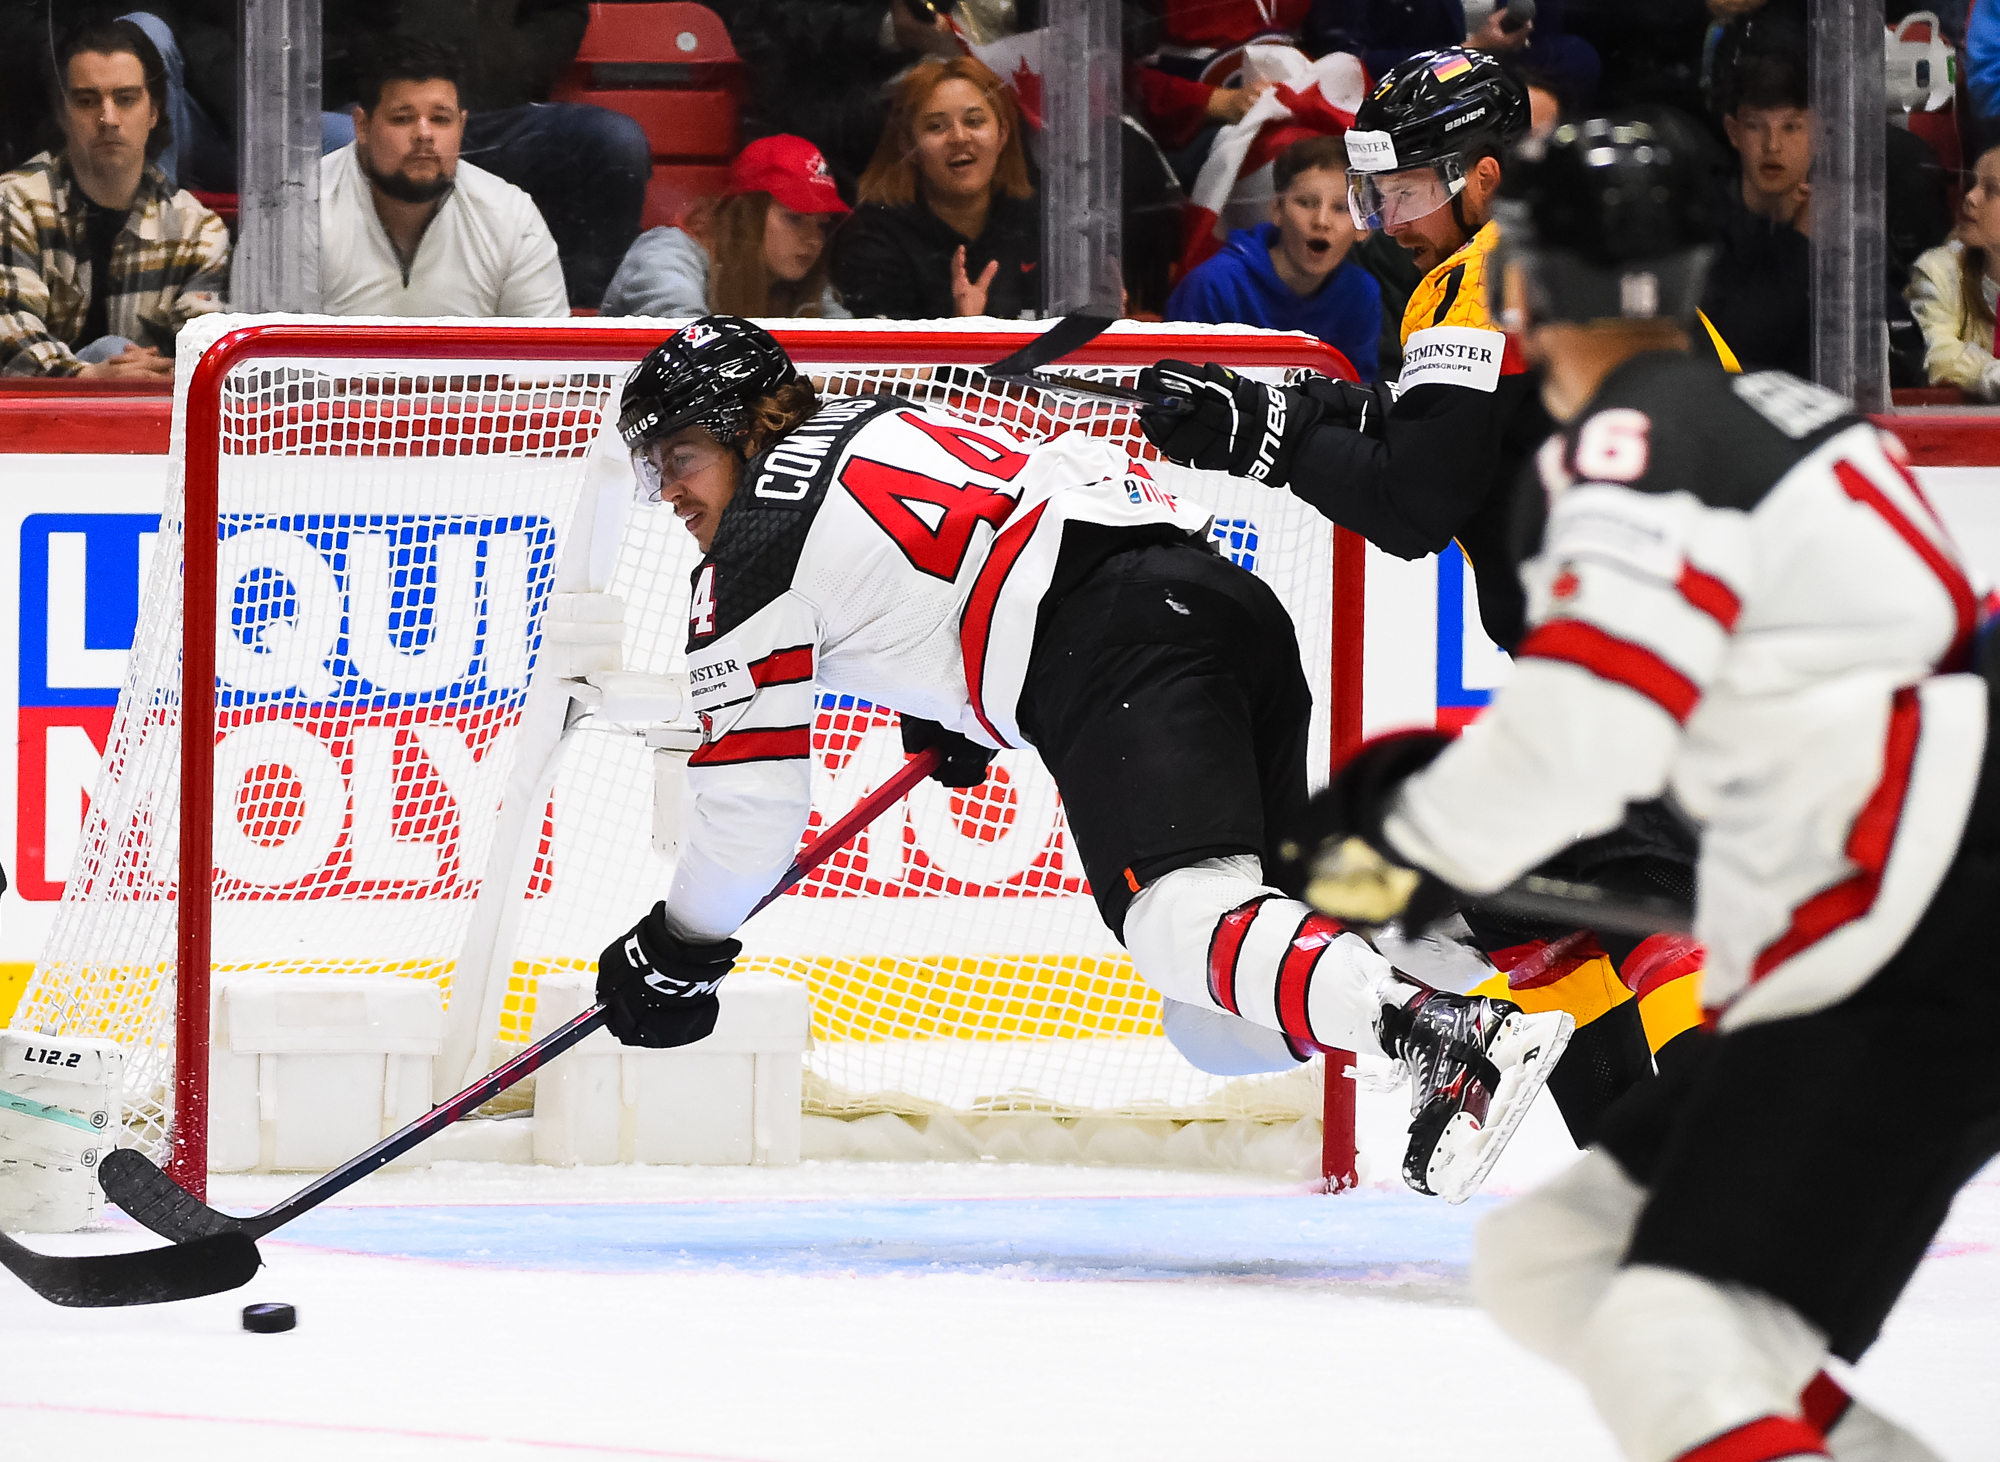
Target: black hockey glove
x,y
1239,426
1340,861
965,760
1363,409
660,989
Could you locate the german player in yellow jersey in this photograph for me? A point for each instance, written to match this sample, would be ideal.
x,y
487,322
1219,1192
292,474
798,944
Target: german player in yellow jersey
x,y
1431,459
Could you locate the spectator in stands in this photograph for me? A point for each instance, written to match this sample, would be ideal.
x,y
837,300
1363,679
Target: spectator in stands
x,y
1759,288
1955,288
822,68
586,167
101,262
1294,272
759,251
1184,67
406,226
1384,33
947,223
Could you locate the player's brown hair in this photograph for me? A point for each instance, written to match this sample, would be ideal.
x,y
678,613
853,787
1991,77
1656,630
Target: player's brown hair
x,y
891,178
732,230
777,415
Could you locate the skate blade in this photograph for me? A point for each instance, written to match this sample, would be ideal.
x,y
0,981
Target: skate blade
x,y
1526,1051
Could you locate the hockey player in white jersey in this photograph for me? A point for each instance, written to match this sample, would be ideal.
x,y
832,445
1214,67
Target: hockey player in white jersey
x,y
1742,596
999,596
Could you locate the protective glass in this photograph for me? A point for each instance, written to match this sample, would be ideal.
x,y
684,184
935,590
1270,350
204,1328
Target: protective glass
x,y
657,468
1386,200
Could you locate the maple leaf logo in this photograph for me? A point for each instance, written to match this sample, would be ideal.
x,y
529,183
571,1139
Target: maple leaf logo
x,y
1027,87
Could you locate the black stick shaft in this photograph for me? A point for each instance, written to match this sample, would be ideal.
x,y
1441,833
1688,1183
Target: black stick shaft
x,y
1070,333
1095,390
563,1037
1583,905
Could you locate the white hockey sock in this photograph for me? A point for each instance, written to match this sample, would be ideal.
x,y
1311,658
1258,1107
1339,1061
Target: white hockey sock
x,y
1683,1368
1215,934
1542,1263
1855,1431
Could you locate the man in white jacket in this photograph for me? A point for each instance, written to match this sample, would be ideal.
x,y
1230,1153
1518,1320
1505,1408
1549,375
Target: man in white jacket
x,y
408,229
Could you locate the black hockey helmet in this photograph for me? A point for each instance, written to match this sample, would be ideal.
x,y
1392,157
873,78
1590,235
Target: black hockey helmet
x,y
1613,217
1437,109
704,374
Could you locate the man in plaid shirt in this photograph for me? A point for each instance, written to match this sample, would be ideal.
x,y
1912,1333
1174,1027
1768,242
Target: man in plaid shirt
x,y
101,263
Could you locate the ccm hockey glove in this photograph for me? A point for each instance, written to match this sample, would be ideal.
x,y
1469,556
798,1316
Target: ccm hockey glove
x,y
965,760
1341,862
1239,426
660,989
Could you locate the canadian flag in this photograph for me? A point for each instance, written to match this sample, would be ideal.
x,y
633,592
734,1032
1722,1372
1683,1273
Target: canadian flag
x,y
1017,60
1307,99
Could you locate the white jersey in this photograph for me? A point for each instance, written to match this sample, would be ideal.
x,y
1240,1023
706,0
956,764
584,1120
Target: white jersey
x,y
1741,595
891,552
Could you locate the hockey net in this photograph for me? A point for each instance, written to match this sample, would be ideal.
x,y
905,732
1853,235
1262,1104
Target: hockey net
x,y
374,521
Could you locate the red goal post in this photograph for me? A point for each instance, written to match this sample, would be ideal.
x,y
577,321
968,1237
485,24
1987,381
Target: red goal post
x,y
315,428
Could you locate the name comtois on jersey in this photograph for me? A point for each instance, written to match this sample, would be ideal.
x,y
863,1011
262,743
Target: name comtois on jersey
x,y
788,469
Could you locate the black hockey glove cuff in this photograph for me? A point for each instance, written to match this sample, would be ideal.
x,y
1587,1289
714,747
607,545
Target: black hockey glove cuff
x,y
659,988
965,760
1363,409
1338,858
1239,426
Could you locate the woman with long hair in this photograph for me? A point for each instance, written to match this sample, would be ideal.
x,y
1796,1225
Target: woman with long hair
x,y
1954,287
947,223
758,251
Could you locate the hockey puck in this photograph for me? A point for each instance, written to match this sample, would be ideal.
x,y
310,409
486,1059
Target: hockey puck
x,y
269,1319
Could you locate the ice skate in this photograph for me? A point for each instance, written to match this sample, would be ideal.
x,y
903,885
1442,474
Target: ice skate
x,y
1475,1067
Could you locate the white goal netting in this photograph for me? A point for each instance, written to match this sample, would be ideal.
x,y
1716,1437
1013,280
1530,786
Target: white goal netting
x,y
391,533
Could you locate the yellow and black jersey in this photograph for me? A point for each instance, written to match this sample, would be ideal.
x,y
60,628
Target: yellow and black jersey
x,y
1454,293
1443,461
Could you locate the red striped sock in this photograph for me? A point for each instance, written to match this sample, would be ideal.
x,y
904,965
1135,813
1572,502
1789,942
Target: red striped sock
x,y
1767,1439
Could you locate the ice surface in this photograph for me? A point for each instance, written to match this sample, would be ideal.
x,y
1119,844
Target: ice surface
x,y
885,1312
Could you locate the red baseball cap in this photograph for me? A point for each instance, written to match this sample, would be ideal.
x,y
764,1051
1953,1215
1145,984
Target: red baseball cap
x,y
791,170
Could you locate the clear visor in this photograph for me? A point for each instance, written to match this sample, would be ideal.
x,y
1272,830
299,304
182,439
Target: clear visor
x,y
1387,200
659,465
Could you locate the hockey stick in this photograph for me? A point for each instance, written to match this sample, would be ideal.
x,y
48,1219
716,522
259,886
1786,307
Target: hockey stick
x,y
148,1277
1586,906
1095,390
1071,333
138,1186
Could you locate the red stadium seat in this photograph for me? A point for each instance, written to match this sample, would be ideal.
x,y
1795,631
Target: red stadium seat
x,y
672,69
678,35
679,124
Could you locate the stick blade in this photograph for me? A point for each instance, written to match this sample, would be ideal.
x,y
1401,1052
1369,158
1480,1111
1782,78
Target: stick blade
x,y
1071,332
132,1181
148,1277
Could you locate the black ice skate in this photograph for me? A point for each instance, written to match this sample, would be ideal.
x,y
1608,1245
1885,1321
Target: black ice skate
x,y
1475,1066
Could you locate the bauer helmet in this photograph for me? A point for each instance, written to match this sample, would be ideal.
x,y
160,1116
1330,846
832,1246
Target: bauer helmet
x,y
1611,218
1441,111
704,374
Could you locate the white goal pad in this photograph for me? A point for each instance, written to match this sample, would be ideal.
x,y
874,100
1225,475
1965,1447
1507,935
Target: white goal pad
x,y
59,1110
388,547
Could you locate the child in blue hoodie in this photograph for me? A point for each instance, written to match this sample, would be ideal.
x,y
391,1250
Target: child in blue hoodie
x,y
1293,273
